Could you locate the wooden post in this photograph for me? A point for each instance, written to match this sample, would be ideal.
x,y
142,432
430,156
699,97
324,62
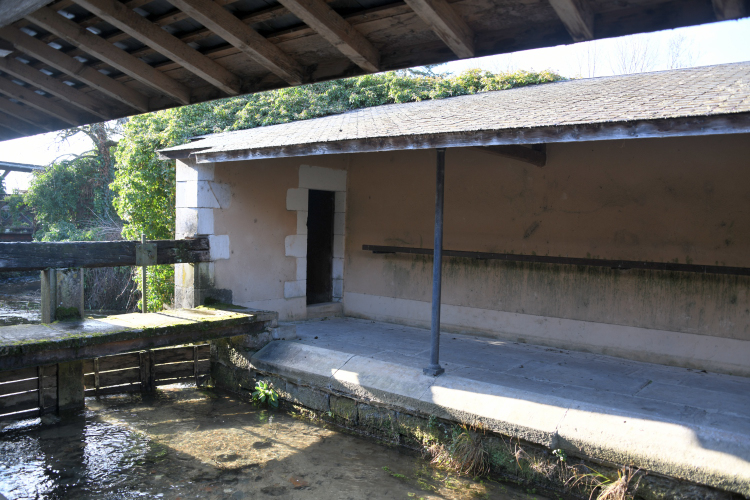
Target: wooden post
x,y
144,300
146,377
70,390
96,377
82,303
49,295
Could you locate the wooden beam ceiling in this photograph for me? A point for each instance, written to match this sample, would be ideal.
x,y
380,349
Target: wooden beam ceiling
x,y
577,16
337,31
13,123
148,33
43,104
29,115
55,87
76,69
447,24
104,51
729,9
230,28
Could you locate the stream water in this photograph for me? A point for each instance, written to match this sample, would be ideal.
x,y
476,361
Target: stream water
x,y
185,443
20,297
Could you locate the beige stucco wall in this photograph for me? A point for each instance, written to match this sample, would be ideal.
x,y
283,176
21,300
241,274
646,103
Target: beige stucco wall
x,y
258,224
658,199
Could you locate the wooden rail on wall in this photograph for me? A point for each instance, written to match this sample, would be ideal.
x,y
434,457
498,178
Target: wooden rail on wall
x,y
39,256
572,261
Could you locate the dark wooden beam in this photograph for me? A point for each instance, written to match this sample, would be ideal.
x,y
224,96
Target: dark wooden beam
x,y
57,88
447,24
140,28
337,31
29,115
729,9
536,155
577,17
24,128
44,104
40,256
736,123
569,261
62,62
105,51
234,31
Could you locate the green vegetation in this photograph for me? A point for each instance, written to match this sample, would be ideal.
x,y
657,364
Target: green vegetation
x,y
264,392
125,188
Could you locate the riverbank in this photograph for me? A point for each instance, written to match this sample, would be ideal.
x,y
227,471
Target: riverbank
x,y
687,432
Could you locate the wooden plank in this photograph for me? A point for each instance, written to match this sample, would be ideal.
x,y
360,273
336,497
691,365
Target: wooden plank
x,y
55,87
16,375
58,60
117,389
729,9
569,261
117,377
19,402
38,256
336,30
44,104
536,157
22,415
148,33
105,51
119,361
27,114
577,16
172,355
22,127
234,31
447,24
88,366
177,370
145,365
20,386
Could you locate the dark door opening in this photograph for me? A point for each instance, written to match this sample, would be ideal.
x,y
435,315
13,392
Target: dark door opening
x,y
320,208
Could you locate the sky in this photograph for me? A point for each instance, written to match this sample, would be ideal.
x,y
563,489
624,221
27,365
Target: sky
x,y
703,45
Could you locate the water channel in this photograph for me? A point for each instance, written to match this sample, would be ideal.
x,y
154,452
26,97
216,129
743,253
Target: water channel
x,y
185,443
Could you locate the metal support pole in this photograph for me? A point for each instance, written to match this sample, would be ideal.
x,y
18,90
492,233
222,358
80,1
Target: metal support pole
x,y
144,302
434,368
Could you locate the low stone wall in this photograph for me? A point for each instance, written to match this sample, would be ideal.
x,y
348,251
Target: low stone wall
x,y
509,457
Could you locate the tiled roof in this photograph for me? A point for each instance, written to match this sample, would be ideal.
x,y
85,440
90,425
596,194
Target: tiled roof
x,y
704,91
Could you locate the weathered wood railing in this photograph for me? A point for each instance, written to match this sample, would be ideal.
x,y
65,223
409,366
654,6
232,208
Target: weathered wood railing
x,y
37,256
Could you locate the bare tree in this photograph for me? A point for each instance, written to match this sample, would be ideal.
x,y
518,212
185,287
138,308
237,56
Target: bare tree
x,y
634,54
681,52
586,58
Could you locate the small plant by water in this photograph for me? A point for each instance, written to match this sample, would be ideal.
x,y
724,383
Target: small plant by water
x,y
264,392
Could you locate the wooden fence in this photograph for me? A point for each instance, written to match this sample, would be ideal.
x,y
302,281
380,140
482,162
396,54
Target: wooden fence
x,y
31,392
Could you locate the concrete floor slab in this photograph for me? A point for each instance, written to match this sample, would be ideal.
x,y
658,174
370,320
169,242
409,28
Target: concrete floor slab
x,y
673,421
300,363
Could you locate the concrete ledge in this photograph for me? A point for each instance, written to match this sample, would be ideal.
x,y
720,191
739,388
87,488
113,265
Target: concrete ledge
x,y
699,454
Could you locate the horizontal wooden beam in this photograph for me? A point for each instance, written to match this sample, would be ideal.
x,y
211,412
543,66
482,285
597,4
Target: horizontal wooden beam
x,y
577,17
337,31
140,28
43,104
29,115
105,51
447,24
736,123
12,123
57,88
76,69
536,155
234,31
569,261
729,9
39,256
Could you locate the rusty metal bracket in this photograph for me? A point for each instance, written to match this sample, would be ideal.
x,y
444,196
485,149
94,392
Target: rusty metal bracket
x,y
145,254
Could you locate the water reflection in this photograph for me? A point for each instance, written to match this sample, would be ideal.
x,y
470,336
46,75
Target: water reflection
x,y
185,443
20,298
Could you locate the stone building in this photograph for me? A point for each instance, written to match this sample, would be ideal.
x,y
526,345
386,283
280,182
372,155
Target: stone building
x,y
607,215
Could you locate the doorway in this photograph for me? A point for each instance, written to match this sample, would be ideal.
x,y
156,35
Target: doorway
x,y
320,211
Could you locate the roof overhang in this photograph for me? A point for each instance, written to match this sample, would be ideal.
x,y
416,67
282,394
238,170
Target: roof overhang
x,y
19,167
735,123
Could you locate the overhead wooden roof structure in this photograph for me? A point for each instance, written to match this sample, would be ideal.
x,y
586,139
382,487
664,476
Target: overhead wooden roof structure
x,y
73,62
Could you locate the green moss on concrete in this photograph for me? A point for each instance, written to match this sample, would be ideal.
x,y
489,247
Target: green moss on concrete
x,y
66,313
344,408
